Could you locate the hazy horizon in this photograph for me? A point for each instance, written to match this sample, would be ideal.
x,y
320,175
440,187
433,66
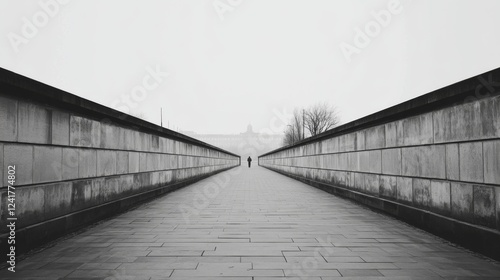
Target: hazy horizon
x,y
218,66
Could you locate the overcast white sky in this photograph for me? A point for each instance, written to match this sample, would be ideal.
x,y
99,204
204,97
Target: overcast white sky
x,y
251,62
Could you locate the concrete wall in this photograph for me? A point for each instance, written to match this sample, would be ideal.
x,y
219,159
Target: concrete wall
x,y
77,161
440,161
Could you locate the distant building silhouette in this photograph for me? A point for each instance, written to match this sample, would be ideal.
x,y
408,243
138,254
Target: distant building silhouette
x,y
248,143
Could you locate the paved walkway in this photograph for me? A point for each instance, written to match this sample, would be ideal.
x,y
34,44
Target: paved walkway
x,y
253,224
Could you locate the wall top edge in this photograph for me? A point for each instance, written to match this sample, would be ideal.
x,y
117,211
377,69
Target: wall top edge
x,y
24,88
462,92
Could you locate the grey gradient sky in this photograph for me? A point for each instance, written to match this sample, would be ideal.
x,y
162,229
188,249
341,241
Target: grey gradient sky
x,y
261,59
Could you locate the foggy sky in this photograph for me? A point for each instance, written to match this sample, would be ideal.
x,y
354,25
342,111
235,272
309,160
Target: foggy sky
x,y
217,66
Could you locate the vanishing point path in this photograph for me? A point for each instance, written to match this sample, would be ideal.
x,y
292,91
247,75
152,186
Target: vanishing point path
x,y
252,224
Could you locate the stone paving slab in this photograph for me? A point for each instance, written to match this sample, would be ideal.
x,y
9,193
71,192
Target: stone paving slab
x,y
253,224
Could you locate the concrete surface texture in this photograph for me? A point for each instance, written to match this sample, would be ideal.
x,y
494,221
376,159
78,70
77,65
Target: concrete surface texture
x,y
90,147
253,224
446,161
68,162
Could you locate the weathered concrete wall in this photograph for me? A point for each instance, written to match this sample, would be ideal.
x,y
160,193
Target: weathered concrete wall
x,y
77,161
440,159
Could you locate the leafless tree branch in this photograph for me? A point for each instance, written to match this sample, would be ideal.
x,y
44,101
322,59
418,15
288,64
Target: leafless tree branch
x,y
314,120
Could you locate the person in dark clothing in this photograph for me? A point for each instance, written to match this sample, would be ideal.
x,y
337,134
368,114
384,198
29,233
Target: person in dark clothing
x,y
249,159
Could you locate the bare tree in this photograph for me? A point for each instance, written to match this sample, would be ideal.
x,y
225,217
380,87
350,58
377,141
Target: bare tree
x,y
309,122
320,118
295,130
288,139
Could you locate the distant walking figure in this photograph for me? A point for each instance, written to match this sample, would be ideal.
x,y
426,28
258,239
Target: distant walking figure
x,y
249,159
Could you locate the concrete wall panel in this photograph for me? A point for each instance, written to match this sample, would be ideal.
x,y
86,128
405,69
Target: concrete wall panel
x,y
375,161
372,184
57,199
347,142
418,130
405,189
110,136
484,206
394,134
452,162
391,161
133,162
360,140
106,163
155,143
122,162
87,163
496,115
375,137
362,160
2,181
163,145
489,118
137,141
343,178
47,164
465,122
8,119
388,187
442,126
129,140
471,162
441,197
462,201
109,190
351,160
424,161
20,156
85,193
146,141
34,123
492,162
122,139
153,162
59,129
422,193
359,181
497,195
30,203
143,162
84,132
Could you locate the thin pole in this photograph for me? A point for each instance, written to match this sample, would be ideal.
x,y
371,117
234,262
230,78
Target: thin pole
x,y
161,118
